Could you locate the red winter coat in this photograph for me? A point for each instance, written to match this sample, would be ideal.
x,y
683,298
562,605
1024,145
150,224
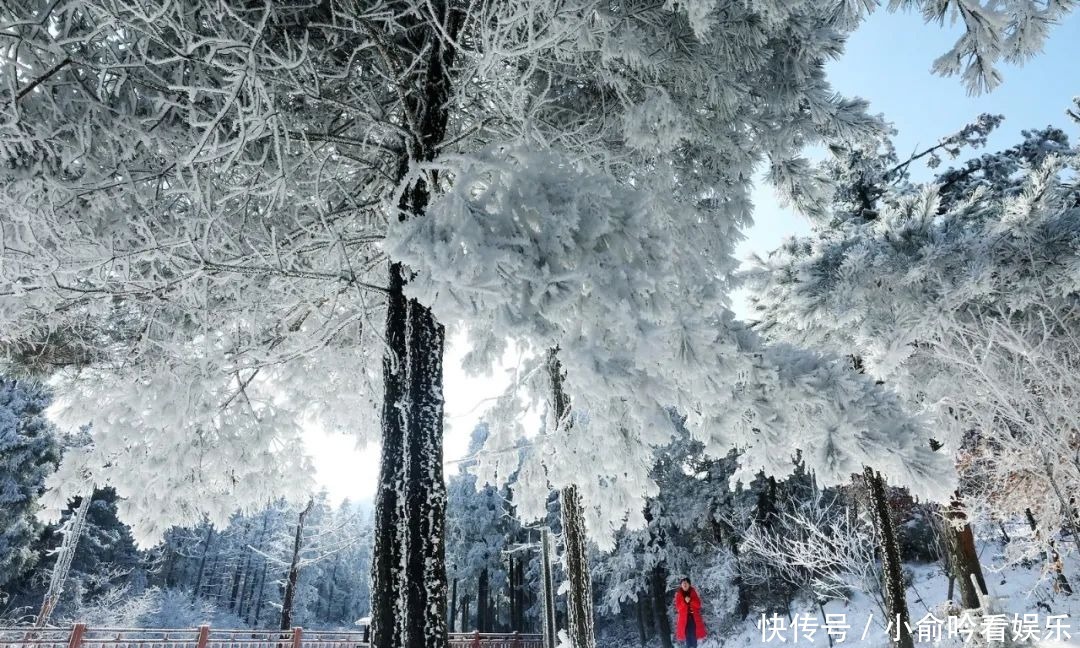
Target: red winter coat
x,y
682,609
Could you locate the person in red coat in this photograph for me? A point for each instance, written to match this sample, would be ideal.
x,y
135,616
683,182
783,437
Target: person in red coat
x,y
688,624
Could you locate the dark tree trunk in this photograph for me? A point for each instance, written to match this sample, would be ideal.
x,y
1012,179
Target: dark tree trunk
x,y
519,625
294,570
172,559
465,613
893,580
409,560
482,607
409,552
425,488
742,606
202,563
389,540
579,603
963,558
240,573
209,577
249,589
259,600
642,637
658,583
511,600
249,592
237,581
453,606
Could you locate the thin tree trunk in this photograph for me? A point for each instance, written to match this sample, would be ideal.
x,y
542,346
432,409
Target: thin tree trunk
x,y
294,570
209,575
173,560
642,638
202,563
249,593
238,573
658,583
249,583
642,607
453,606
511,591
963,557
520,625
893,580
465,613
259,600
58,578
547,584
742,605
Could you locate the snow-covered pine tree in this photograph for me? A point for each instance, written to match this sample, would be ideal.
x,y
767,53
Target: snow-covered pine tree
x,y
479,530
28,452
88,556
969,259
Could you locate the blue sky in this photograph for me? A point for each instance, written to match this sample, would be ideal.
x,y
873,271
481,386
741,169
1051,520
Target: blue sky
x,y
888,63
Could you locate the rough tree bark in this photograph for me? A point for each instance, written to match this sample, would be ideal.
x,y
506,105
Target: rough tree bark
x,y
409,568
893,580
963,558
294,569
579,606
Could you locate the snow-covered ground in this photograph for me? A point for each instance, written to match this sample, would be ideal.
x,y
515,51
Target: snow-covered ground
x,y
1014,593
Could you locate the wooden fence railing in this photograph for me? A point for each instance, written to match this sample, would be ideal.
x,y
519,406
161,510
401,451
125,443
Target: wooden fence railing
x,y
81,636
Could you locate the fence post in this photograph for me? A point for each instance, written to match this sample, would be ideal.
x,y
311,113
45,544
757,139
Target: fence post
x,y
476,639
77,632
204,636
297,637
516,641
